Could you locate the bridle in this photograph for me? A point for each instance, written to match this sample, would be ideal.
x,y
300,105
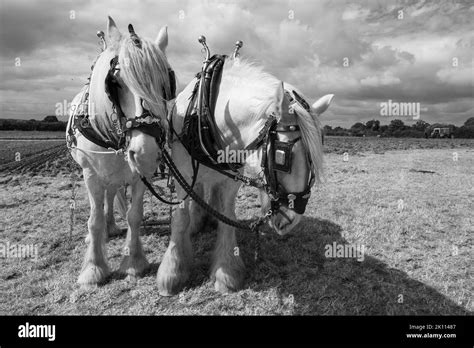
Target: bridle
x,y
276,154
146,123
277,157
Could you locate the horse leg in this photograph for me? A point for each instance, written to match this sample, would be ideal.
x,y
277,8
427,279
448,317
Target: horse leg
x,y
112,228
175,268
228,269
95,269
134,262
200,219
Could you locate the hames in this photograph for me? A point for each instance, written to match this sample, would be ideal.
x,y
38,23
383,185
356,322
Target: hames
x,y
32,331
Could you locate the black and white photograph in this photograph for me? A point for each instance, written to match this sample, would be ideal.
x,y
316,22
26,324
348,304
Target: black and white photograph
x,y
276,164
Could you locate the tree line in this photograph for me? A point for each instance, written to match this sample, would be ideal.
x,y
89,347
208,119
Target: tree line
x,y
396,128
49,123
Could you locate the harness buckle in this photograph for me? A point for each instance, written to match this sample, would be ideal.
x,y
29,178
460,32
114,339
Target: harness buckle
x,y
273,197
85,123
70,140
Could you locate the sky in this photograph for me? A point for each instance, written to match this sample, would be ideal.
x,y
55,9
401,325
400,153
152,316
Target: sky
x,y
364,52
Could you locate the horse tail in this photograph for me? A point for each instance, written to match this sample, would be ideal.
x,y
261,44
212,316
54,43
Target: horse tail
x,y
121,202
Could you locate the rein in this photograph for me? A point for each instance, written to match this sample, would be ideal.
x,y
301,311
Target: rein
x,y
276,156
146,122
253,227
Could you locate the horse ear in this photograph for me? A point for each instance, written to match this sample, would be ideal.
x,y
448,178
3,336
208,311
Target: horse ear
x,y
162,39
279,97
322,103
113,33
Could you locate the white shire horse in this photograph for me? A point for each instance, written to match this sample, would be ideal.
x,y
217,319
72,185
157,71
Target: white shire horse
x,y
247,98
142,82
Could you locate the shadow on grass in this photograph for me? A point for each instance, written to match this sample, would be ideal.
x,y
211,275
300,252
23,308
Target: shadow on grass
x,y
297,267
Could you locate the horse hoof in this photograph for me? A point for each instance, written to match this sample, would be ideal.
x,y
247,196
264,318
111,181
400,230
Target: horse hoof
x,y
169,286
170,283
93,275
131,279
173,273
165,293
226,283
134,266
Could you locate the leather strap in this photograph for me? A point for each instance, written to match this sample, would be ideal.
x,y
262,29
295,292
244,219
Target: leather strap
x,y
271,121
81,122
287,128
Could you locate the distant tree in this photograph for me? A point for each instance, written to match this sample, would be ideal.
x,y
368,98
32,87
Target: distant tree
x,y
465,131
50,119
383,129
358,129
373,125
420,125
396,125
469,122
358,125
339,131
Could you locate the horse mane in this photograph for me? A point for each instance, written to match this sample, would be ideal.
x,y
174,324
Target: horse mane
x,y
242,70
145,72
311,135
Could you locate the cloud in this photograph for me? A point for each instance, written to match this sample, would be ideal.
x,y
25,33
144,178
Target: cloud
x,y
354,11
456,76
305,43
385,79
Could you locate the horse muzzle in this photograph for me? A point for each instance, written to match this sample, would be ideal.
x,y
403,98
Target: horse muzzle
x,y
284,220
144,154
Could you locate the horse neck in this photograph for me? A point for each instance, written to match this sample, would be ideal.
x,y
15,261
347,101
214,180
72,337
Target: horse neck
x,y
241,114
97,96
100,107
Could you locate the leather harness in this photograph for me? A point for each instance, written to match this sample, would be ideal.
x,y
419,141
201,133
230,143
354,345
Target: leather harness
x,y
201,139
146,122
200,133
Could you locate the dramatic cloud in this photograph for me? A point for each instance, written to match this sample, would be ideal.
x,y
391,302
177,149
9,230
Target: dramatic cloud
x,y
366,53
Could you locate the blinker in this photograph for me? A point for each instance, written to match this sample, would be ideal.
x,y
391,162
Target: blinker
x,y
282,156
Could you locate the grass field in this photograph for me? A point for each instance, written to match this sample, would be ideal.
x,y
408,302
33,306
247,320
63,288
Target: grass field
x,y
410,208
13,134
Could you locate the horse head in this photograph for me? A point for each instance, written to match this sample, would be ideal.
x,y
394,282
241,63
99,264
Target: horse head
x,y
295,158
130,86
